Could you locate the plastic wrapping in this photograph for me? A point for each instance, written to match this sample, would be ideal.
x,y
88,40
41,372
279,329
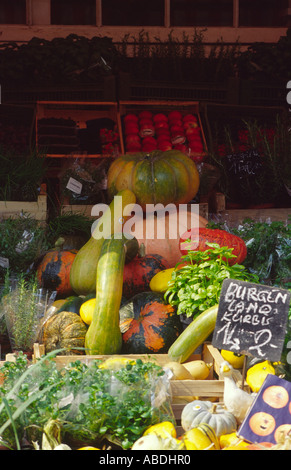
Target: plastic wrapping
x,y
82,181
94,403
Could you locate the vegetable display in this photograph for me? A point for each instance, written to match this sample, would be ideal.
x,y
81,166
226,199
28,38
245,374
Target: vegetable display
x,y
116,408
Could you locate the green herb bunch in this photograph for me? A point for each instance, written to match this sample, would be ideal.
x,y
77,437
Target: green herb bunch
x,y
91,403
269,250
196,286
23,309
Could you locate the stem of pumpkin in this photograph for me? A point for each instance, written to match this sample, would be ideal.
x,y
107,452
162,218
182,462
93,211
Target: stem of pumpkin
x,y
141,251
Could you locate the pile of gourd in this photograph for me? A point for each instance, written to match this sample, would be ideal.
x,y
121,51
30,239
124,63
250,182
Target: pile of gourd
x,y
116,302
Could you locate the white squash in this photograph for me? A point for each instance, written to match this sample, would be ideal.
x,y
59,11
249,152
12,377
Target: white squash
x,y
198,411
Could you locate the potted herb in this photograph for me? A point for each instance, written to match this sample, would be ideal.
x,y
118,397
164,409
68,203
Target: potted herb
x,y
254,162
24,307
22,240
21,175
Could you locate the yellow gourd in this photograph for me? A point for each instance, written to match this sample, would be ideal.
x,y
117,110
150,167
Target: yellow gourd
x,y
163,429
234,359
179,371
199,370
257,374
88,448
232,441
201,437
116,363
153,441
159,282
86,310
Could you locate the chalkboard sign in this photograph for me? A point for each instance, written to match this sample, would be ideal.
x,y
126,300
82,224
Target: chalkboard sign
x,y
252,319
244,164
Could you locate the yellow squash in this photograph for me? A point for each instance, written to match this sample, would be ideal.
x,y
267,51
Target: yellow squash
x,y
86,310
163,429
234,359
257,374
178,370
198,370
201,437
159,282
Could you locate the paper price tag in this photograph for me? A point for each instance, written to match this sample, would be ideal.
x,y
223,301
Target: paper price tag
x,y
74,186
4,262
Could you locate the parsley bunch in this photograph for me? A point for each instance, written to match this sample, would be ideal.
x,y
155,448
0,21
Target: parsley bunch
x,y
196,286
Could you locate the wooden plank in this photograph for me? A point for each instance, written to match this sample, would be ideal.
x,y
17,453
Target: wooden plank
x,y
234,217
37,209
200,388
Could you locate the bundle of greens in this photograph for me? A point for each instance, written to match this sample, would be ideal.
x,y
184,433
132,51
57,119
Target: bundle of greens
x,y
196,286
269,250
91,403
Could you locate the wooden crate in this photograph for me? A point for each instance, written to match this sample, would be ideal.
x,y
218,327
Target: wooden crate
x,y
80,112
185,107
236,216
13,209
182,391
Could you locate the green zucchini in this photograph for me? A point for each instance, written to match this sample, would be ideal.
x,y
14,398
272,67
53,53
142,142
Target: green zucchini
x,y
103,335
193,335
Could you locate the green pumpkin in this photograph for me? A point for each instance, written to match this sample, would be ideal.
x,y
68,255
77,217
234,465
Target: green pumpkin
x,y
156,177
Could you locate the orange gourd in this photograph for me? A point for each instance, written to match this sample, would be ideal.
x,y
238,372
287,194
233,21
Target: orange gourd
x,y
53,272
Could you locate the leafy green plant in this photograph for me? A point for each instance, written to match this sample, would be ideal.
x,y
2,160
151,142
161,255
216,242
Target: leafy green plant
x,y
22,241
269,250
69,223
23,307
89,402
21,175
196,286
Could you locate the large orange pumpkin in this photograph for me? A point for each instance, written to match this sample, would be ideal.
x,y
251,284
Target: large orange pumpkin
x,y
53,272
155,177
198,239
161,235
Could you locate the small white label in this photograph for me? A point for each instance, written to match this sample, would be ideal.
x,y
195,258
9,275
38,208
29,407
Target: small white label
x,y
27,237
74,186
4,262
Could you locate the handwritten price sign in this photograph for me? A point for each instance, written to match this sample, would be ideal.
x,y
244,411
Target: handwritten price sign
x,y
252,319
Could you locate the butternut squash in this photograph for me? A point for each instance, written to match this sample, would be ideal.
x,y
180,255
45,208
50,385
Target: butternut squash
x,y
103,335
